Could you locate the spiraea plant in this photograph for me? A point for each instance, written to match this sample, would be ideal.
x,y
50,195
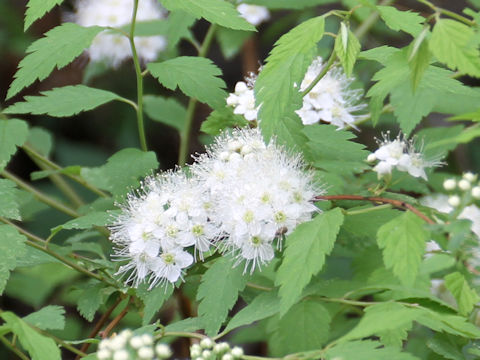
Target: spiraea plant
x,y
325,206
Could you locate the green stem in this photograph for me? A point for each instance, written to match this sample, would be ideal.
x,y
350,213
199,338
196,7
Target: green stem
x,y
40,244
319,77
39,195
138,73
447,13
370,209
370,21
259,287
36,155
192,103
65,345
13,349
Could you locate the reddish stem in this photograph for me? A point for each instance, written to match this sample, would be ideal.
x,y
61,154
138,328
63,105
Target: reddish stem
x,y
376,199
115,321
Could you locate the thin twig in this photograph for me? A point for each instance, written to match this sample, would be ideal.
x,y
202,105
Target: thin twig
x,y
104,334
376,199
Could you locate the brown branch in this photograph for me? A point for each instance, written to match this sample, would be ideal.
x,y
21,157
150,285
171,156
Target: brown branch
x,y
115,321
376,199
99,325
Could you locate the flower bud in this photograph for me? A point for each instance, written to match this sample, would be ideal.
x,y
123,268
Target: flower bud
x,y
454,200
206,354
121,355
195,351
449,184
227,356
103,354
470,177
476,192
464,185
206,343
145,353
136,342
371,158
147,339
163,351
237,352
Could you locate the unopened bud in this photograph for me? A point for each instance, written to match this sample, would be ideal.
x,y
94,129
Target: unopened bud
x,y
464,185
163,351
449,184
476,192
371,158
454,200
237,352
469,177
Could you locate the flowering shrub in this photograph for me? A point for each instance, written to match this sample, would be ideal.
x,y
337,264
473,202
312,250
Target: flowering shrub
x,y
283,231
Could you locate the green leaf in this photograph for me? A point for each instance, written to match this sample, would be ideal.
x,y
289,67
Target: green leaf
x,y
407,21
63,101
306,326
36,9
58,48
41,140
333,150
9,207
167,111
304,256
446,346
95,218
153,300
418,59
465,296
453,44
122,170
13,133
189,325
221,119
262,307
275,86
38,346
452,324
379,54
347,48
403,242
51,317
91,299
366,350
214,304
197,77
395,337
215,11
12,246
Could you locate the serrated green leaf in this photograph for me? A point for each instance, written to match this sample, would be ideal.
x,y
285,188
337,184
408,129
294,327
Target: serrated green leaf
x,y
215,305
215,11
51,317
332,150
189,325
379,54
58,48
366,350
36,9
12,246
466,297
453,44
196,76
451,324
304,256
122,171
167,111
9,207
153,300
395,337
446,346
13,133
347,48
289,4
275,87
38,346
403,242
407,21
221,119
262,307
95,218
91,299
306,326
418,59
63,101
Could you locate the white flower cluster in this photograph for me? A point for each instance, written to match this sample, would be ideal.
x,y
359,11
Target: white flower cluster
x,y
242,195
400,154
331,100
254,14
114,48
128,346
243,99
258,193
209,350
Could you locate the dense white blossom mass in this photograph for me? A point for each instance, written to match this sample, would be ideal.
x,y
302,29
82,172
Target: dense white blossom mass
x,y
331,100
241,197
114,48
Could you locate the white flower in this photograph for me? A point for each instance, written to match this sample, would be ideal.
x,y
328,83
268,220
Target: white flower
x,y
330,100
472,213
259,192
168,266
254,14
438,202
243,101
401,154
114,48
